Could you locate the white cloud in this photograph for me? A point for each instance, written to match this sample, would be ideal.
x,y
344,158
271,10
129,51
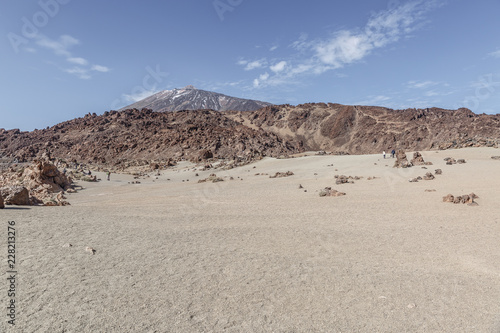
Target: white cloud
x,y
495,54
431,93
348,46
280,66
250,65
421,84
99,68
254,65
132,98
264,77
301,43
274,48
61,47
79,72
78,61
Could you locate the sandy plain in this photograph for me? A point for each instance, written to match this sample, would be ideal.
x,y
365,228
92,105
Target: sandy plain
x,y
256,254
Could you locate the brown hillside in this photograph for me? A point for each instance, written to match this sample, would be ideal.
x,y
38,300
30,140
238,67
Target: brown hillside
x,y
140,137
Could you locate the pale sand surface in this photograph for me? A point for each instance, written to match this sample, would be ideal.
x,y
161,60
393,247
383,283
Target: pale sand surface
x,y
262,255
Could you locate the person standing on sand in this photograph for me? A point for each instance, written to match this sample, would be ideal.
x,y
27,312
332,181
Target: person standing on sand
x,y
108,174
383,153
393,153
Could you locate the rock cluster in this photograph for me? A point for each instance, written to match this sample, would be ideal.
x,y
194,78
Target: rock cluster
x,y
212,178
341,179
282,174
401,160
329,192
419,160
39,183
495,157
427,176
464,199
450,161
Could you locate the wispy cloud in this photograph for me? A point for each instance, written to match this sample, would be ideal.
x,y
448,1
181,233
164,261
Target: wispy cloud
x,y
495,54
420,84
348,46
78,61
262,78
250,65
61,47
279,67
136,97
99,68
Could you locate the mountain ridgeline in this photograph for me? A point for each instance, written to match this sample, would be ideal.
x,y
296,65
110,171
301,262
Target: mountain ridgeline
x,y
120,139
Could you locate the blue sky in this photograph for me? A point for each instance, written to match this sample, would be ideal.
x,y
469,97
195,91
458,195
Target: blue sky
x,y
61,59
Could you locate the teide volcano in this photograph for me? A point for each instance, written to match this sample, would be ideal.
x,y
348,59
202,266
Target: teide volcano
x,y
190,98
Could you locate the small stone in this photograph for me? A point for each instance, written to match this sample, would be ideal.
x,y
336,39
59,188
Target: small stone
x,y
67,245
449,198
90,250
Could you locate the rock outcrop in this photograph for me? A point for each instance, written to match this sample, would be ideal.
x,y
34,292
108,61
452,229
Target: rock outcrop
x,y
39,183
419,160
463,199
401,160
282,174
329,192
16,195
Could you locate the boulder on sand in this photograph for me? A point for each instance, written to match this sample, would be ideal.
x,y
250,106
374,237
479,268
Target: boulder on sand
x,y
329,192
37,183
401,160
16,195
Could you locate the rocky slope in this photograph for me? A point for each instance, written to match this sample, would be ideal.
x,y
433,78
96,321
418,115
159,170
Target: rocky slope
x,y
368,129
142,137
190,98
134,138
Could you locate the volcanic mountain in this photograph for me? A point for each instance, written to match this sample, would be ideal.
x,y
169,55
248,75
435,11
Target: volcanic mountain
x,y
190,98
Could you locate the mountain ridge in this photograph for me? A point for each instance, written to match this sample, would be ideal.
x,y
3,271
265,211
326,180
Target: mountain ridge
x,y
142,137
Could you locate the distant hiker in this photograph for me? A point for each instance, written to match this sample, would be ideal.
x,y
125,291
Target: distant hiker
x,y
109,174
383,153
393,153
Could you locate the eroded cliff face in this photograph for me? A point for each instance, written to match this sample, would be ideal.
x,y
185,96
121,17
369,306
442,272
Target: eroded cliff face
x,y
365,129
139,137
